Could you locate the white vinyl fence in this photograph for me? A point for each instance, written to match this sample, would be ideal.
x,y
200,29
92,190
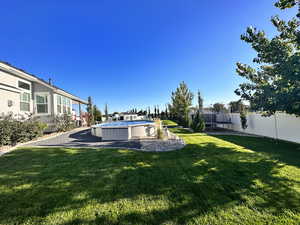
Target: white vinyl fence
x,y
281,125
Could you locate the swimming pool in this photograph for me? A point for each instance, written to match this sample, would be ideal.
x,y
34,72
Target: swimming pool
x,y
125,130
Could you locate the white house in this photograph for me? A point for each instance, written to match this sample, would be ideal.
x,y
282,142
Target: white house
x,y
23,94
131,116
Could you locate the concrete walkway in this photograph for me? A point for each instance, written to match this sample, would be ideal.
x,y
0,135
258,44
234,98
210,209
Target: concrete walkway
x,y
82,138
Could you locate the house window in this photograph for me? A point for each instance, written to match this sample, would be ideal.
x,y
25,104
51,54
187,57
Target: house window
x,y
59,104
24,85
64,104
41,103
68,106
25,101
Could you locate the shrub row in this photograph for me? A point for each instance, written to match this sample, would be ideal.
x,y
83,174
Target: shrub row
x,y
13,131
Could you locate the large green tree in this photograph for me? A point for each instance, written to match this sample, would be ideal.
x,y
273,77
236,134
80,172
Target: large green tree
x,y
219,107
181,101
237,106
283,4
275,84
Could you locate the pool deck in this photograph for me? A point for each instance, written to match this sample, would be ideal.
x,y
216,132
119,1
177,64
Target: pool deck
x,y
83,138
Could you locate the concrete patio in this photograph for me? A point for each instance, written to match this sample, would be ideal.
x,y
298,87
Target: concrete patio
x,y
83,138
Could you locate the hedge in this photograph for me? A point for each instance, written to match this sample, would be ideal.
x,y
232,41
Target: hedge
x,y
13,131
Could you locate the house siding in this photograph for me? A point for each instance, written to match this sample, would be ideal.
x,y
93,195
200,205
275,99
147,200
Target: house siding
x,y
8,79
6,95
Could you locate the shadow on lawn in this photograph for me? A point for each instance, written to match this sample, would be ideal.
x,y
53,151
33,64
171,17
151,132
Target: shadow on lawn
x,y
286,152
197,180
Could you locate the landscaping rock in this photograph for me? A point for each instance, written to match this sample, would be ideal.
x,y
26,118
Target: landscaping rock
x,y
162,145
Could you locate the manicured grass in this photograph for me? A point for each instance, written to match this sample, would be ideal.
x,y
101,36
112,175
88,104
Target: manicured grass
x,y
169,123
213,180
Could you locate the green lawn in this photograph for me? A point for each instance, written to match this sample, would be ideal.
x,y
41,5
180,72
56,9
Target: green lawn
x,y
169,123
213,180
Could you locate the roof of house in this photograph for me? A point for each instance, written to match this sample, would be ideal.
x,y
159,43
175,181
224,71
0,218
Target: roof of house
x,y
22,73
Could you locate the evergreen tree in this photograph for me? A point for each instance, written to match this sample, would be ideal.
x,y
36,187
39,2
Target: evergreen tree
x,y
90,120
275,85
106,112
200,102
166,113
284,4
181,101
198,123
97,114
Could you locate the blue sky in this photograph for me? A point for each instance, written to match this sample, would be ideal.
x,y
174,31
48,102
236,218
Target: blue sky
x,y
133,53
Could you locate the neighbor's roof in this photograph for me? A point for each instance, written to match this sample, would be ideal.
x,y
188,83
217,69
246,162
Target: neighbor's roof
x,y
7,67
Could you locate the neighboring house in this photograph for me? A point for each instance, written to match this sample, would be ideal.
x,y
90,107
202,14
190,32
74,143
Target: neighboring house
x,y
127,116
23,94
131,116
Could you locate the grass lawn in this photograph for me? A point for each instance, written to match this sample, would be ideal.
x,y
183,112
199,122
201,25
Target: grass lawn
x,y
213,180
169,123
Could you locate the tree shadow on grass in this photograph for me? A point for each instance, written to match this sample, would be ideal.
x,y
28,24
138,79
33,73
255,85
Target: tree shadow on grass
x,y
285,152
157,188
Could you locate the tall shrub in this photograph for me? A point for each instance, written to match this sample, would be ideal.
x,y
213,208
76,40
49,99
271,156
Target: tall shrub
x,y
90,119
97,114
198,123
64,122
243,117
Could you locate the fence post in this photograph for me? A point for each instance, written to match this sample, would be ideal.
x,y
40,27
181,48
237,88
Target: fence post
x,y
276,128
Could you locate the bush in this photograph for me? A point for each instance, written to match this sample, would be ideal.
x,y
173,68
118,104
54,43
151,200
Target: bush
x,y
198,124
13,131
201,125
160,134
243,117
64,123
5,132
